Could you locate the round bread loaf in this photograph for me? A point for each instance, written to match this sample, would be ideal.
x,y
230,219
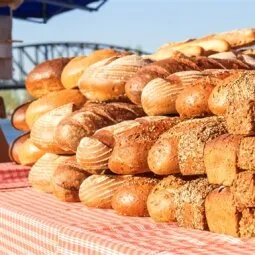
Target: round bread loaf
x,y
67,180
18,119
46,77
52,101
130,199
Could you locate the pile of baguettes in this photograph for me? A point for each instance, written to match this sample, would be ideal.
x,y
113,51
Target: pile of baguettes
x,y
191,160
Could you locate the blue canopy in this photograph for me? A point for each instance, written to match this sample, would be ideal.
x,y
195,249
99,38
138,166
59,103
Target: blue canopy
x,y
43,10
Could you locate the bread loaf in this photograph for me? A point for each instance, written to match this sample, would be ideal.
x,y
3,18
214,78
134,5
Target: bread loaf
x,y
18,118
130,199
193,100
161,202
244,190
163,155
246,154
41,174
192,143
224,55
75,68
98,190
52,101
220,159
235,88
106,79
190,204
129,155
240,117
14,148
43,130
221,213
46,77
67,179
90,118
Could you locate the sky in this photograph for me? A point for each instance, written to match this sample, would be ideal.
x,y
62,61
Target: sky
x,y
146,24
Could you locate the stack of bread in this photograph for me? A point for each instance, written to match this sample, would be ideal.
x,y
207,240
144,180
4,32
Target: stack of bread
x,y
189,161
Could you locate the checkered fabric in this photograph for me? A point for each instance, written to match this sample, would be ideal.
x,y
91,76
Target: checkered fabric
x,y
13,176
36,223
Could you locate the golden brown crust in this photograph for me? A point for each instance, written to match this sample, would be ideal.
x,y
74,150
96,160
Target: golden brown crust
x,y
46,77
18,118
51,101
130,199
246,154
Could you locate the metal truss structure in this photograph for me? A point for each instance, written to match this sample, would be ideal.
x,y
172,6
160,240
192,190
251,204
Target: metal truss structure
x,y
26,57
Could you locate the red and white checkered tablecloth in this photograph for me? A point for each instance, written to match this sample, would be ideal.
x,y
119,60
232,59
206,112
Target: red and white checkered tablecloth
x,y
13,175
36,223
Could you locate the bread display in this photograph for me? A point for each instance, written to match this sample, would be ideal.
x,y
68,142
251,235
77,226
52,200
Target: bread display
x,y
44,128
161,201
67,179
90,118
42,172
130,199
46,77
191,145
221,213
221,159
18,118
78,65
129,155
98,190
106,79
51,101
169,135
241,120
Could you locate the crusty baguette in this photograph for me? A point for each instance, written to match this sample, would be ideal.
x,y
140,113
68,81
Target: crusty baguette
x,y
192,143
51,101
46,77
43,130
41,174
240,117
161,201
220,159
130,199
129,155
106,79
221,213
98,190
90,118
67,179
243,189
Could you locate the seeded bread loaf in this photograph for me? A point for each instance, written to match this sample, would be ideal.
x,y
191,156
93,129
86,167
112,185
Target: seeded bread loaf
x,y
246,154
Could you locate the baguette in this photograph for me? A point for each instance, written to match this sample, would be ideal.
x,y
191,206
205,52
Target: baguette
x,y
161,201
130,199
67,179
191,145
90,118
220,159
129,155
98,190
46,77
51,101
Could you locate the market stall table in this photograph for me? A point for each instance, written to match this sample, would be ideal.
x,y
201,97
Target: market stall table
x,y
37,223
